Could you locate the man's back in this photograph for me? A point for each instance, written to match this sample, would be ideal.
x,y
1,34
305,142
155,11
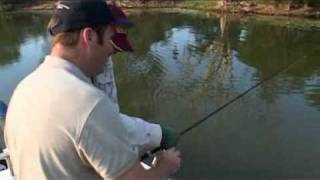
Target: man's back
x,y
45,120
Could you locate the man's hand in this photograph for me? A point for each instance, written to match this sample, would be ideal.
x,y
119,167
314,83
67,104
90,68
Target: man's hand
x,y
169,138
168,162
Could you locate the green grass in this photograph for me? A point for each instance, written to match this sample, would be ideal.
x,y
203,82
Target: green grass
x,y
197,0
200,4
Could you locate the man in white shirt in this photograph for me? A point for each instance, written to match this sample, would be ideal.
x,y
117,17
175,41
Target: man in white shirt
x,y
58,125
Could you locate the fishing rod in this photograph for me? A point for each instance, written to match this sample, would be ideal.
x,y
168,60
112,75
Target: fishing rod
x,y
197,123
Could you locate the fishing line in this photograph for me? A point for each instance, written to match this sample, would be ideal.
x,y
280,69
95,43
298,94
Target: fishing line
x,y
197,123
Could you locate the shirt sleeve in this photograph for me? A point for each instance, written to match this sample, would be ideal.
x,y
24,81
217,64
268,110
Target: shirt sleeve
x,y
143,134
104,144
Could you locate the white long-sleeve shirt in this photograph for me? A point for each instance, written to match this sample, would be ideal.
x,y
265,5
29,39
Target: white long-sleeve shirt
x,y
143,134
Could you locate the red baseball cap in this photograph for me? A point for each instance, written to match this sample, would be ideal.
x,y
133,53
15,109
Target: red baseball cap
x,y
119,40
121,43
121,18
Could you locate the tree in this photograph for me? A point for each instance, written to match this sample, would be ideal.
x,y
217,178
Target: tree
x,y
299,3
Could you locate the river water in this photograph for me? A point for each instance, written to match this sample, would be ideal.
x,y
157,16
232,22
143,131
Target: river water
x,y
185,65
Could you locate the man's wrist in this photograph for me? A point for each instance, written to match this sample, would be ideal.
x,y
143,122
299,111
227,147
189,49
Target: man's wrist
x,y
169,138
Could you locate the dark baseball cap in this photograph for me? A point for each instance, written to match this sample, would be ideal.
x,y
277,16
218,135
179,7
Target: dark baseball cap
x,y
77,14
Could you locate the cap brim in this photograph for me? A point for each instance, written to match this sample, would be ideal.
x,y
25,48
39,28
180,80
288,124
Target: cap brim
x,y
121,42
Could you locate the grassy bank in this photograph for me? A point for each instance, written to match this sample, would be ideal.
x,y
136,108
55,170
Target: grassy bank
x,y
244,7
262,7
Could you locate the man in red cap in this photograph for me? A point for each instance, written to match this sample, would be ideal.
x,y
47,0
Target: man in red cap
x,y
142,134
60,126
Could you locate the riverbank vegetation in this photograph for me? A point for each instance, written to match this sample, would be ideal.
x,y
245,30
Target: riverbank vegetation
x,y
305,8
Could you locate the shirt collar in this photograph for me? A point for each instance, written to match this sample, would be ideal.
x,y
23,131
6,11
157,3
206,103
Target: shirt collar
x,y
58,62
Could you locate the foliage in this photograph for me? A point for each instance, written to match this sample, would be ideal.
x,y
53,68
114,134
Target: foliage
x,y
311,3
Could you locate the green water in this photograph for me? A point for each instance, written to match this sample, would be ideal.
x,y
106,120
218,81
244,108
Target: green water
x,y
187,64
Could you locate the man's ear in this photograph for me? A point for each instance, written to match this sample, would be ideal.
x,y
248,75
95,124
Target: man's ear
x,y
88,36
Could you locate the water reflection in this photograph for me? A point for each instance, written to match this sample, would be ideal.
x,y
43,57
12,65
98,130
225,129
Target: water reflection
x,y
205,62
23,43
188,64
15,29
281,47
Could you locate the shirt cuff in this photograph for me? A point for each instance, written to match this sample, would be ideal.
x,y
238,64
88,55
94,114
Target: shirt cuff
x,y
154,134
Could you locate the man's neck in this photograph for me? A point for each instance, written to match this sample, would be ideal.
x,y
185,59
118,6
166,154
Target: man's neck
x,y
73,55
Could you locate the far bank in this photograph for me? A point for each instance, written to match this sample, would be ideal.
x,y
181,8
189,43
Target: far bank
x,y
262,7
